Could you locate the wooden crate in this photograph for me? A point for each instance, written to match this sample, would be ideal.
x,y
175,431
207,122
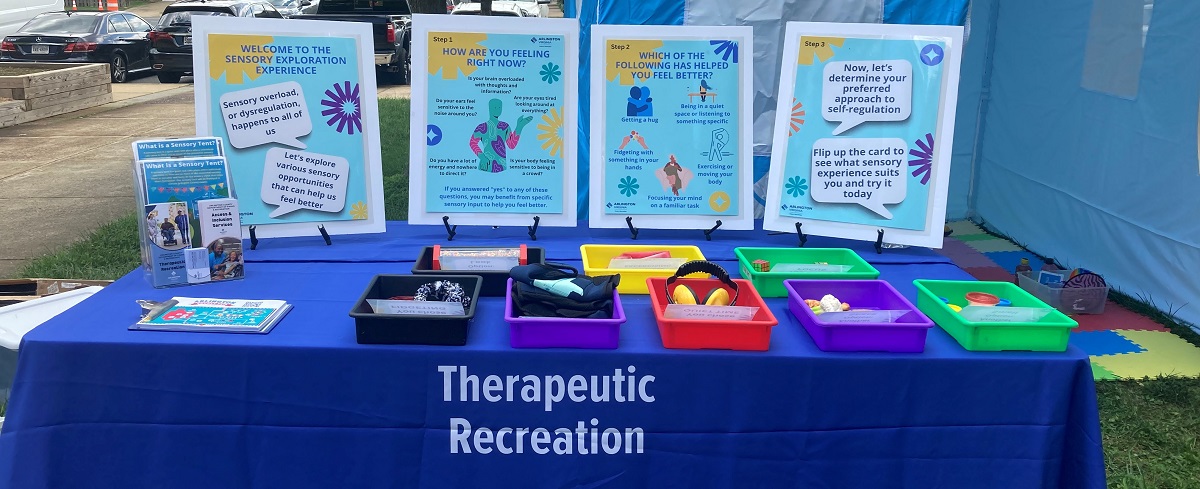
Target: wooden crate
x,y
61,88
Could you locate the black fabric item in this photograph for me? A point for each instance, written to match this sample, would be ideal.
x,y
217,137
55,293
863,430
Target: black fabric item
x,y
530,300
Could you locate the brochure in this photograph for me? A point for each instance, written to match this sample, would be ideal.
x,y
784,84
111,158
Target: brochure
x,y
190,220
215,315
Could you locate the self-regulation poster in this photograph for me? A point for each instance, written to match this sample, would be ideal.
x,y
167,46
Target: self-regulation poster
x,y
863,131
294,102
494,116
670,127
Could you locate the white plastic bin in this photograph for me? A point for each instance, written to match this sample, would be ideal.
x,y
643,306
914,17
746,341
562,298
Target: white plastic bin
x,y
1084,300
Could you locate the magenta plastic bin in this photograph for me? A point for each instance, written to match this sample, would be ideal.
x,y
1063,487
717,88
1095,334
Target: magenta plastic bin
x,y
905,335
543,332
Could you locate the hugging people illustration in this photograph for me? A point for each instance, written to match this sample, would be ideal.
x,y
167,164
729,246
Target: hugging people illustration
x,y
498,137
640,104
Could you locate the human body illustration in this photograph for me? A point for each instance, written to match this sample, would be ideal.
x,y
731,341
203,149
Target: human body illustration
x,y
639,103
673,176
497,138
704,89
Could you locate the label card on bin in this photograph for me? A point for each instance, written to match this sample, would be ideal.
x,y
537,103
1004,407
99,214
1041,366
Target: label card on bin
x,y
851,317
810,268
647,263
425,308
715,313
997,314
489,263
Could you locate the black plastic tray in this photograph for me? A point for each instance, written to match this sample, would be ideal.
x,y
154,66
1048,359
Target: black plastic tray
x,y
395,329
495,283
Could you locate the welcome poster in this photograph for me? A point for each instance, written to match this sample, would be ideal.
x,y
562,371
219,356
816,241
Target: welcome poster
x,y
493,121
863,131
670,126
297,111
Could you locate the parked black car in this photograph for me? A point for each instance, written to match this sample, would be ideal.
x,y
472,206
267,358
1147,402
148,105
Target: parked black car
x,y
391,23
171,40
116,38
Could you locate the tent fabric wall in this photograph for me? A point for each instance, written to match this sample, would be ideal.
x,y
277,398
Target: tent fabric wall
x,y
756,13
973,93
1100,181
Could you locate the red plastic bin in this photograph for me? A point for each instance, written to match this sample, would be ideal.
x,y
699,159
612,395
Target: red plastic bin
x,y
701,334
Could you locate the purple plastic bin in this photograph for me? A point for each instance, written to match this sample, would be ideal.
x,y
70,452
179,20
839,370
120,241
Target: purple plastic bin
x,y
541,332
905,335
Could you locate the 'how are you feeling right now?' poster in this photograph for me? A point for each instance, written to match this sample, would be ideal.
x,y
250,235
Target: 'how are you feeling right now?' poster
x,y
493,121
863,131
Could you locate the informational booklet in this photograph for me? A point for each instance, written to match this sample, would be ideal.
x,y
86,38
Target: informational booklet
x,y
190,221
215,315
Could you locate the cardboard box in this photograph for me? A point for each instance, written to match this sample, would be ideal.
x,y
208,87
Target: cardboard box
x,y
17,290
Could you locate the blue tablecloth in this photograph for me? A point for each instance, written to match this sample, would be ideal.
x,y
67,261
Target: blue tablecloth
x,y
97,405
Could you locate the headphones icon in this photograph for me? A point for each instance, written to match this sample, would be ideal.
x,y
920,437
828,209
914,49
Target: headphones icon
x,y
718,296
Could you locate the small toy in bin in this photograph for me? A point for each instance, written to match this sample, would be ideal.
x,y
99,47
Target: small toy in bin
x,y
761,265
982,299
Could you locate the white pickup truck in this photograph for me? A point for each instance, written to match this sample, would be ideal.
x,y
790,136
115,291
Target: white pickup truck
x,y
532,8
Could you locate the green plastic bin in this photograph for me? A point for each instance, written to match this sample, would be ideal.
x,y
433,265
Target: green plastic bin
x,y
1047,334
770,284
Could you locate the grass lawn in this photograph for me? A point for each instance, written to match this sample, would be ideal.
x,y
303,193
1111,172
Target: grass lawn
x,y
1150,428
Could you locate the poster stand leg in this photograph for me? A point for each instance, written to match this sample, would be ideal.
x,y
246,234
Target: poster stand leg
x,y
633,232
324,234
450,230
879,243
253,238
803,237
533,228
708,234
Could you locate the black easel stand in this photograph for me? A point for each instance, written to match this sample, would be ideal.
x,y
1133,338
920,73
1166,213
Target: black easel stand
x,y
800,233
708,234
879,243
450,230
633,232
533,228
320,227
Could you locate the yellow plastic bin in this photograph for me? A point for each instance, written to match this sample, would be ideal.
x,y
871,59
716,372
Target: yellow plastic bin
x,y
596,258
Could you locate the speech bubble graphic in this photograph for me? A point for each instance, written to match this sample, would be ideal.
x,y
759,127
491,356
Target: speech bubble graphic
x,y
268,114
854,92
295,180
864,171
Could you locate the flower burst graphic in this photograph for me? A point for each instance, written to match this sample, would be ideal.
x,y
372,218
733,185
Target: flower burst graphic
x,y
796,186
358,210
344,108
797,116
924,161
727,50
550,73
549,132
628,186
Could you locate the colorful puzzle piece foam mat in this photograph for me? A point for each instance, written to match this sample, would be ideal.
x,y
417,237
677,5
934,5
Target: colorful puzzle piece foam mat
x,y
1100,343
1165,354
1122,343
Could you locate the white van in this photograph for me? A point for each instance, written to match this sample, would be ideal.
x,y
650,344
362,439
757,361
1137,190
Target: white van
x,y
15,13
